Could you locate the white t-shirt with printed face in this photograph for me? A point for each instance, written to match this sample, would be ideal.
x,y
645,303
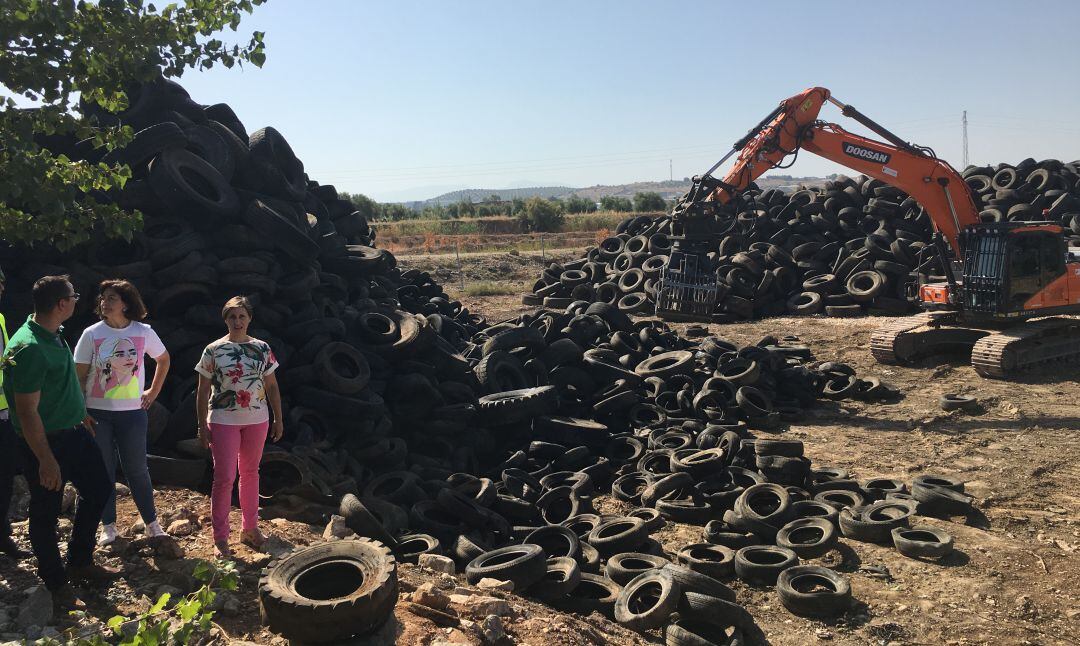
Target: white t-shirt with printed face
x,y
117,373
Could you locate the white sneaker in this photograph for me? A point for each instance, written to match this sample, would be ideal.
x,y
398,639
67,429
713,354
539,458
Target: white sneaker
x,y
108,535
153,530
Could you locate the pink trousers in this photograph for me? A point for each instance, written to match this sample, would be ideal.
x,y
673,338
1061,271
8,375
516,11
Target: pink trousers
x,y
232,446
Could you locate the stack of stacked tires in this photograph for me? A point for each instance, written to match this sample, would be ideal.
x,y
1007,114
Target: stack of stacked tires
x,y
848,248
229,213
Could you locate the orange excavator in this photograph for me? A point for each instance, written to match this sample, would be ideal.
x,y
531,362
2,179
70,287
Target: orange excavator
x,y
997,275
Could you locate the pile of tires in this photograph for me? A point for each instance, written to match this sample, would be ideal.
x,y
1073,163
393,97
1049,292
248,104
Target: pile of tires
x,y
225,213
847,248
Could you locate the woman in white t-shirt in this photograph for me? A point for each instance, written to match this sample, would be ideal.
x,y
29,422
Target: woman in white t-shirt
x,y
109,359
237,390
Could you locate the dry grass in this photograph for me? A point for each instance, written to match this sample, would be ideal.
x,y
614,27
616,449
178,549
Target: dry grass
x,y
489,288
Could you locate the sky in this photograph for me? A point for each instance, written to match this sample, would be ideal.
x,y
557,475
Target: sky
x,y
407,99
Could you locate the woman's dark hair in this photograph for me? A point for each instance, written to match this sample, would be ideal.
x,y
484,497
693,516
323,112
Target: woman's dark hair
x,y
129,295
235,302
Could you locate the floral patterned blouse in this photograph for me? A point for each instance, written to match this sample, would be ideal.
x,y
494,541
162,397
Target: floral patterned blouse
x,y
236,371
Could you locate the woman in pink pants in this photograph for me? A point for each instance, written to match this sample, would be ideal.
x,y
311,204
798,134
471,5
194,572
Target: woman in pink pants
x,y
237,390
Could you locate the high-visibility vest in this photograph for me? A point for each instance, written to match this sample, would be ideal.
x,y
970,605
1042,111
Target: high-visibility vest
x,y
3,332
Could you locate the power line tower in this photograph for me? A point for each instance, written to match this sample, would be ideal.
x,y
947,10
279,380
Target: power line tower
x,y
670,172
965,140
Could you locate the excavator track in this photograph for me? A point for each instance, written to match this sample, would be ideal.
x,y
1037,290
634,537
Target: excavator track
x,y
915,337
1026,346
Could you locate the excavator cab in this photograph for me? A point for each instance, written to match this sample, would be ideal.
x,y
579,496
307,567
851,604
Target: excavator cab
x,y
1012,269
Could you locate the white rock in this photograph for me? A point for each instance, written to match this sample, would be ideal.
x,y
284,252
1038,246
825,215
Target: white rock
x,y
337,528
428,595
488,583
182,527
36,609
488,606
437,563
493,629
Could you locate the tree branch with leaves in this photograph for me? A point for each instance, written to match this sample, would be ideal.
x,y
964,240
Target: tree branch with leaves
x,y
57,52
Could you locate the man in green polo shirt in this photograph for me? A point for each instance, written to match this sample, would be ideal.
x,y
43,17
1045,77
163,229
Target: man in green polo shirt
x,y
57,444
8,455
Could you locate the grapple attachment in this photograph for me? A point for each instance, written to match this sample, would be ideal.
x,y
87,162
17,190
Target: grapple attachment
x,y
688,290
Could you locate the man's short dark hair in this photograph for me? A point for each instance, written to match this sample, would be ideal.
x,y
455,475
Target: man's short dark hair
x,y
48,290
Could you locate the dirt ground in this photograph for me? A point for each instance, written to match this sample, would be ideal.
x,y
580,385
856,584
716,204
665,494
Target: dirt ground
x,y
1014,578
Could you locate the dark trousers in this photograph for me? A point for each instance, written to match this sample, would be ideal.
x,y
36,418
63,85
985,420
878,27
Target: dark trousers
x,y
9,463
81,465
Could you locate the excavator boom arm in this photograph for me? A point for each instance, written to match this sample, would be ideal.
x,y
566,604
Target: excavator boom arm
x,y
933,183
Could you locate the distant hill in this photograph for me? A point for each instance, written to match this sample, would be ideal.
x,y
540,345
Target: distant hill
x,y
667,189
480,194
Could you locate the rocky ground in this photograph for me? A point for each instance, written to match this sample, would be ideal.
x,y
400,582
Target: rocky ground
x,y
1014,578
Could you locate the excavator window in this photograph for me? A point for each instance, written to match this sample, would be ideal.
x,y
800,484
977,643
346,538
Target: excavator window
x,y
1036,259
1024,273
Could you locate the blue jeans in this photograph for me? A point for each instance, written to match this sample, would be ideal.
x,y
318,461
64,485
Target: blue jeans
x,y
122,433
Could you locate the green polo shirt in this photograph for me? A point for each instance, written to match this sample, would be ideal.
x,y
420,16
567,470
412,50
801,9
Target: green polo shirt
x,y
38,360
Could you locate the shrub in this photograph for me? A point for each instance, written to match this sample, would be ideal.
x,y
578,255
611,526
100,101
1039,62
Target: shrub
x,y
541,215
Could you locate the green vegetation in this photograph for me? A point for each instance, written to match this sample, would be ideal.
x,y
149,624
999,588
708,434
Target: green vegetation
x,y
542,215
578,204
181,623
489,288
58,50
619,204
649,201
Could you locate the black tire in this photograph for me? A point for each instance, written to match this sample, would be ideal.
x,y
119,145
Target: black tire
x,y
513,406
922,541
207,144
718,532
594,593
571,431
691,581
363,522
342,368
280,173
664,486
874,523
711,560
527,338
666,364
754,403
285,234
502,372
864,286
701,608
647,601
177,472
763,563
809,538
940,500
329,591
951,402
686,633
805,303
839,498
562,576
786,448
523,565
411,546
624,567
556,541
622,534
813,591
173,177
844,311
147,144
